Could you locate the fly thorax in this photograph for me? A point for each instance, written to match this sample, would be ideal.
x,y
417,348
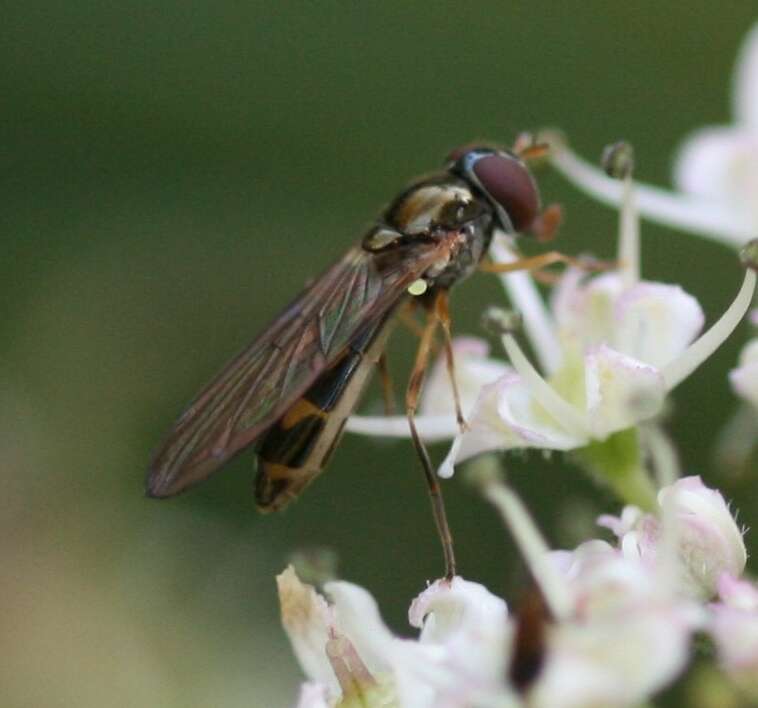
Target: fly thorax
x,y
464,257
426,206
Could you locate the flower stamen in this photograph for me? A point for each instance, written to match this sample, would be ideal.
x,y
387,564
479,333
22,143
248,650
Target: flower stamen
x,y
679,369
533,547
524,296
567,415
713,220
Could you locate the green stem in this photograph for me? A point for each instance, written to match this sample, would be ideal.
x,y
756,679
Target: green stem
x,y
617,463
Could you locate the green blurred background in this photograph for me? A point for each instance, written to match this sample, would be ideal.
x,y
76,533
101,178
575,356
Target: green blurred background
x,y
171,174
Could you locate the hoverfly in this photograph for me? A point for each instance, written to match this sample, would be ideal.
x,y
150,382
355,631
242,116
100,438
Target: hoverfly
x,y
291,391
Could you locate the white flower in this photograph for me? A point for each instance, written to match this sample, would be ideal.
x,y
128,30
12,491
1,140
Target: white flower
x,y
616,626
352,658
612,347
707,542
744,378
733,625
716,170
313,695
629,636
619,631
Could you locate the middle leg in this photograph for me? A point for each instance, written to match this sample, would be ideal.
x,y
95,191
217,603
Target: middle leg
x,y
415,385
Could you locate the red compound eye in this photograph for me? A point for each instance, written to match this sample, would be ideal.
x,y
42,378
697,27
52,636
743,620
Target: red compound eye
x,y
509,184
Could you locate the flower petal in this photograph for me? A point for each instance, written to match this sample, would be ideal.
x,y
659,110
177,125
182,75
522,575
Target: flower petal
x,y
615,661
621,391
656,322
745,89
307,618
313,695
584,310
719,165
471,624
473,369
627,638
734,628
506,416
737,593
356,615
744,378
447,608
708,540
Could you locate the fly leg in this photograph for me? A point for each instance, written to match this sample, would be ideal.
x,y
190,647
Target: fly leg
x,y
545,260
388,390
406,318
412,394
442,313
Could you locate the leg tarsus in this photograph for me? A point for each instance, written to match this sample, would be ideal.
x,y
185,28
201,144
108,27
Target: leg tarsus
x,y
544,260
412,394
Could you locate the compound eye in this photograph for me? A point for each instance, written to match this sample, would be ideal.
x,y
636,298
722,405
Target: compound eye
x,y
509,184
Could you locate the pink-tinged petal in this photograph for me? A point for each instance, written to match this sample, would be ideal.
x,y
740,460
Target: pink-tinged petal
x,y
473,368
744,378
720,166
621,525
693,539
506,417
620,391
709,543
733,626
528,421
738,593
735,633
619,660
656,322
627,638
745,89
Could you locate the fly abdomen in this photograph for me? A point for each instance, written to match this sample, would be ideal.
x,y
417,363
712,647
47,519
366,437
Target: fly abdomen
x,y
294,451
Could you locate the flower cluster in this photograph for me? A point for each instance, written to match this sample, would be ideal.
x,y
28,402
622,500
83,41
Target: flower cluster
x,y
618,620
612,621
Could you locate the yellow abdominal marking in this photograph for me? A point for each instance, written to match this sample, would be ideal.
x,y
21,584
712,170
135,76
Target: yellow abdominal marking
x,y
276,471
299,411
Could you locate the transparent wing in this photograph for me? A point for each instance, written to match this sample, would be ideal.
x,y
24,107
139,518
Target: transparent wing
x,y
258,385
